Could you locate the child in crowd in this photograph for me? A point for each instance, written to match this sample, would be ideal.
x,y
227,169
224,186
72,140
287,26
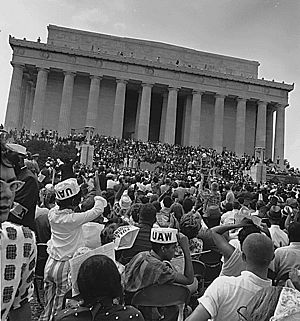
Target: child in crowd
x,y
66,238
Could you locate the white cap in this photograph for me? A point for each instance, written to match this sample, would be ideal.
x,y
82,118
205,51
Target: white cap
x,y
17,148
163,235
125,201
66,189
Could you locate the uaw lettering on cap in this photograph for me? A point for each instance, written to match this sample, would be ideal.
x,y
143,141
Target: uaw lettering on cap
x,y
65,193
164,237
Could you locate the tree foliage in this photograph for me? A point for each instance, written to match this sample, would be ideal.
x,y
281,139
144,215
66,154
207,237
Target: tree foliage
x,y
46,149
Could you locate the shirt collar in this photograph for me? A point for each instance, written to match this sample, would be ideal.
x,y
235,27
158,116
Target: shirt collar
x,y
255,279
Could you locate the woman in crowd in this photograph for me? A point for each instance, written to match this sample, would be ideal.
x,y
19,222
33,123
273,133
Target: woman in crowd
x,y
99,284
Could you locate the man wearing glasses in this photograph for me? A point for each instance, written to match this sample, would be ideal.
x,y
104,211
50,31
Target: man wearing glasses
x,y
18,250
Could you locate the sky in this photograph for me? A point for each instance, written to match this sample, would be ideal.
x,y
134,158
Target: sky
x,y
267,31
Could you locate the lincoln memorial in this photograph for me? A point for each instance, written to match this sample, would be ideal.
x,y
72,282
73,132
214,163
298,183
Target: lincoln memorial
x,y
82,81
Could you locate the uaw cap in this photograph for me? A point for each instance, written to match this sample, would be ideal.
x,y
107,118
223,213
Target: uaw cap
x,y
17,148
66,189
163,235
274,212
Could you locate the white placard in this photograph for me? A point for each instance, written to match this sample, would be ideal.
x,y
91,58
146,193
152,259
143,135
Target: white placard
x,y
75,263
125,236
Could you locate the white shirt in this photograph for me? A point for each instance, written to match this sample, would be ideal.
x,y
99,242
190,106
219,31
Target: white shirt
x,y
226,294
66,229
278,236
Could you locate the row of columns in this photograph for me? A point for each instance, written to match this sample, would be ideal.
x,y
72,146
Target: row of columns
x,y
34,101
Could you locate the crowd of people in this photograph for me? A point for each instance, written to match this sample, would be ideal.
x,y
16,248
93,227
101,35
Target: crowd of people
x,y
196,204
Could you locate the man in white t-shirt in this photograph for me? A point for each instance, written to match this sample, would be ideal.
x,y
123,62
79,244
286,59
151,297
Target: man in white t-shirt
x,y
226,294
279,237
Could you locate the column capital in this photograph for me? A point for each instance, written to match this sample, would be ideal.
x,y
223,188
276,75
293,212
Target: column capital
x,y
146,84
241,99
96,77
69,73
198,91
43,69
262,102
121,81
221,96
17,65
173,89
281,106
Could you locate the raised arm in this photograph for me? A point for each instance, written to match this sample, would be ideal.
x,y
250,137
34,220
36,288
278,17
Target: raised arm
x,y
188,276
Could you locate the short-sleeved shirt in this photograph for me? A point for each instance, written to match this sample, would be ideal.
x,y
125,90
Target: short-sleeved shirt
x,y
286,258
234,265
147,269
226,294
18,259
278,236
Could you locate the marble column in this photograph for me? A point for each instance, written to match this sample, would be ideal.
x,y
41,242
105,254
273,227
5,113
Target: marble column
x,y
261,125
144,116
137,117
269,138
279,135
187,120
26,121
240,126
31,99
64,121
163,117
23,100
194,139
170,128
92,109
119,107
39,101
218,123
14,97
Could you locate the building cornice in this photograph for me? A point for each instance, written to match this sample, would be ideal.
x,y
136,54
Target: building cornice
x,y
145,63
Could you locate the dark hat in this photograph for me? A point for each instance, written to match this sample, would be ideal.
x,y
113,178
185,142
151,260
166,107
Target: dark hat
x,y
274,212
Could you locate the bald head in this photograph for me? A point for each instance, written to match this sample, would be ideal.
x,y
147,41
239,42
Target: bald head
x,y
258,250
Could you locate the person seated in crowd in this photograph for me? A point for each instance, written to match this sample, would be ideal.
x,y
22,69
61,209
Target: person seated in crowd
x,y
18,250
287,257
278,236
233,263
142,242
153,267
165,218
225,295
66,237
99,284
190,227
